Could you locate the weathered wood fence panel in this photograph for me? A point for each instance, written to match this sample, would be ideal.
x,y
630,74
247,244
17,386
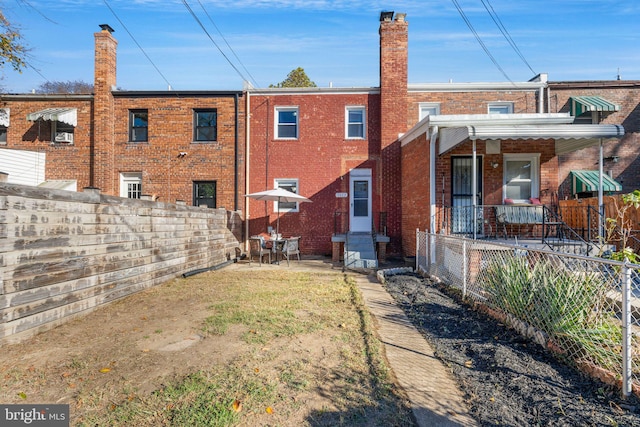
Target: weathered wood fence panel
x,y
582,215
64,253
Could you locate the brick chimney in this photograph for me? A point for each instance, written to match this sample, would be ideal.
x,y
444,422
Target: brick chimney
x,y
103,114
394,41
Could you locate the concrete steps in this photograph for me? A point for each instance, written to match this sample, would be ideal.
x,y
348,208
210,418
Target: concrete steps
x,y
359,251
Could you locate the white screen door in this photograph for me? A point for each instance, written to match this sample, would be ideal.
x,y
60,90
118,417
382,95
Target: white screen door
x,y
360,200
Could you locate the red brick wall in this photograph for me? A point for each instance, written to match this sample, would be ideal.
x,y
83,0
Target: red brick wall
x,y
627,95
416,191
104,81
470,102
394,38
164,172
320,159
63,161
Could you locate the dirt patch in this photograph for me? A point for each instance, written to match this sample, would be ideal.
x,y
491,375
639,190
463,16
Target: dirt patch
x,y
508,380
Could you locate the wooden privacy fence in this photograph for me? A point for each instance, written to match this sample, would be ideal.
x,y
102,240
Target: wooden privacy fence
x,y
64,253
581,215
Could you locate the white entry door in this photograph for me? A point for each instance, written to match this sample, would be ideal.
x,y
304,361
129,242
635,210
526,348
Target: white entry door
x,y
360,200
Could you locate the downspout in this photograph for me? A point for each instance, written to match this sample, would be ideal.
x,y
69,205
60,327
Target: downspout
x,y
235,154
432,179
600,184
432,183
247,145
474,188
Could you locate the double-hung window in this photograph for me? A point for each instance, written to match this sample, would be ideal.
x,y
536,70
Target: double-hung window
x,y
289,185
205,123
286,122
500,108
428,109
204,193
138,125
131,185
521,177
355,122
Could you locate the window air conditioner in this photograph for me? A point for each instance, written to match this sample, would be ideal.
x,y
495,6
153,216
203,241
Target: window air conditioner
x,y
64,137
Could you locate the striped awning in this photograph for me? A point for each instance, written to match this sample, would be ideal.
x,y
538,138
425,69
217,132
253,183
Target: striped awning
x,y
65,115
585,104
589,181
4,117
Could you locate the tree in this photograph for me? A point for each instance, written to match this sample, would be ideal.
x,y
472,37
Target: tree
x,y
296,78
12,50
68,87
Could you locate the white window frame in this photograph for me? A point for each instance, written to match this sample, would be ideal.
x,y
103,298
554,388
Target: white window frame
x,y
287,184
534,158
276,122
427,109
507,107
363,124
5,116
57,126
127,178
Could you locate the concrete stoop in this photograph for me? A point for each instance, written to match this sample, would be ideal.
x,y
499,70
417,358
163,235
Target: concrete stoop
x,y
359,252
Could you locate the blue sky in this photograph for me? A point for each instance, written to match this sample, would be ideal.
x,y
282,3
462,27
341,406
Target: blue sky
x,y
335,41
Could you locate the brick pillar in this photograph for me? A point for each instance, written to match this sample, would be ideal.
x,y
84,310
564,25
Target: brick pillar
x,y
394,41
103,173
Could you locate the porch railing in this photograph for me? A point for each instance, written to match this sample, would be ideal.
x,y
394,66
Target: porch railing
x,y
516,223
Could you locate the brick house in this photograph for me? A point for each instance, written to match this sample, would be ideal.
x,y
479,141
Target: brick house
x,y
169,145
391,158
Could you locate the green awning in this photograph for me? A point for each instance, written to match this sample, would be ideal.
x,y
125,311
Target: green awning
x,y
585,104
586,181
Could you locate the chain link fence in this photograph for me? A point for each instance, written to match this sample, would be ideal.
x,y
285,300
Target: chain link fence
x,y
583,308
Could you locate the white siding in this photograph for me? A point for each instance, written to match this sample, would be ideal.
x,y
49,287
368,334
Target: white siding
x,y
23,167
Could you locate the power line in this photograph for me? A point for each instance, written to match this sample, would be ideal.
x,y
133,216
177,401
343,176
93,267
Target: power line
x,y
138,44
37,71
213,41
477,36
38,11
227,43
505,33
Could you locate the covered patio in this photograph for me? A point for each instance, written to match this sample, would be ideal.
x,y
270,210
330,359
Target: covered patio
x,y
480,164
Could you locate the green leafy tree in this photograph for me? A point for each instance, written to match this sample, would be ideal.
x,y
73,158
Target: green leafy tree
x,y
620,228
12,49
296,78
68,87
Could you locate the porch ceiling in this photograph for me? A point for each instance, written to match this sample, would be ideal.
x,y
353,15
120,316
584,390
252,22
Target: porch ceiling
x,y
568,138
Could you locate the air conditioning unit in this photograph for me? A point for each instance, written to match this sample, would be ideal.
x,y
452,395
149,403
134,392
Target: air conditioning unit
x,y
64,137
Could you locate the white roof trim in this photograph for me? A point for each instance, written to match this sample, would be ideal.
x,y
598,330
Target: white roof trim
x,y
457,120
65,115
475,87
568,137
4,117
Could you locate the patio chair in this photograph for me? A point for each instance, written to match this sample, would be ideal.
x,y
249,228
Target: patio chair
x,y
288,248
257,248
